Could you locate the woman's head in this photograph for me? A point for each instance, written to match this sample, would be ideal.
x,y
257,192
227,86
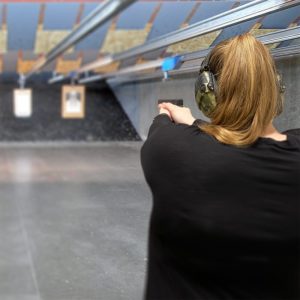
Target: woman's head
x,y
248,94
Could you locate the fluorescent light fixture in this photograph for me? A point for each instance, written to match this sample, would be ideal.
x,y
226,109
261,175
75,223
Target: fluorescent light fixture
x,y
22,103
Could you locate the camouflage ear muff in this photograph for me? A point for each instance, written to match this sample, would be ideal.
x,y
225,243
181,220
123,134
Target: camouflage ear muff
x,y
206,88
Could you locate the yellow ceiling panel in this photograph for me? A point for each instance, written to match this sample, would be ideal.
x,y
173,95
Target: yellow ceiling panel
x,y
3,41
118,40
194,44
47,39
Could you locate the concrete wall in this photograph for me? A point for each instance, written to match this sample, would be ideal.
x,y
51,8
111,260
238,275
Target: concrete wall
x,y
139,100
290,69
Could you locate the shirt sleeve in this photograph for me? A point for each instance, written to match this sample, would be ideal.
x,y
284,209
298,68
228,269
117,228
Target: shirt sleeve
x,y
295,131
159,121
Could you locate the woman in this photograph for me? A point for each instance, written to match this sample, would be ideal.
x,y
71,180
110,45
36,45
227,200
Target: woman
x,y
226,194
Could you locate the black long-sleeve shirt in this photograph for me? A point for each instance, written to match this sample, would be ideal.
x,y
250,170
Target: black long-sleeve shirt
x,y
225,220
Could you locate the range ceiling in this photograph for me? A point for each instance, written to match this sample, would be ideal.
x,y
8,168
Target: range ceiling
x,y
30,29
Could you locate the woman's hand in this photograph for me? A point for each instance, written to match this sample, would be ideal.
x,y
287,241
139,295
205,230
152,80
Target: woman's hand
x,y
164,111
176,113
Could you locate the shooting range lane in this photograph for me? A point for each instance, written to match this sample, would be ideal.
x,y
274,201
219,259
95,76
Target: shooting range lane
x,y
79,85
73,222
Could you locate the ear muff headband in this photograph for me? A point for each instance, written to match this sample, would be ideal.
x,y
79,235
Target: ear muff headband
x,y
206,88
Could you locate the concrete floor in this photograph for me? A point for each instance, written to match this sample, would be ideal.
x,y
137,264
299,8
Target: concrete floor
x,y
73,222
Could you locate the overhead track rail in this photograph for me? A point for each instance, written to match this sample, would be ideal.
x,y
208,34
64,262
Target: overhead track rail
x,y
234,16
132,69
276,53
96,18
286,51
280,35
269,38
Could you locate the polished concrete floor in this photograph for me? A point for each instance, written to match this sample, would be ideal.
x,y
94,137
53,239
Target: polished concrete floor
x,y
73,222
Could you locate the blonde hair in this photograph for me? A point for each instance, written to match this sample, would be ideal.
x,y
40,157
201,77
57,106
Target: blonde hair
x,y
248,95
